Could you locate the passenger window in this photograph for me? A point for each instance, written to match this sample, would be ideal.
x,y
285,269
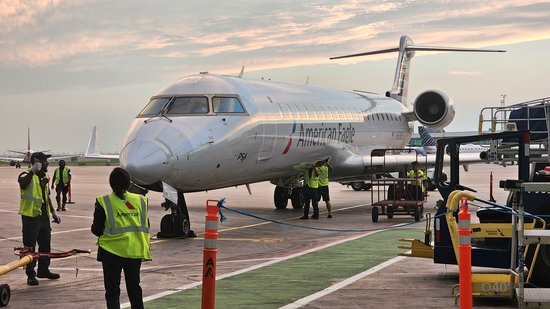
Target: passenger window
x,y
154,107
189,105
227,105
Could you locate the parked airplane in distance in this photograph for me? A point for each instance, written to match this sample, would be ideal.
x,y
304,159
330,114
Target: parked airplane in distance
x,y
429,145
208,131
26,154
92,151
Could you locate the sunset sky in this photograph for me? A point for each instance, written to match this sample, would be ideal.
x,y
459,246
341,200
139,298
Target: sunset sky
x,y
68,65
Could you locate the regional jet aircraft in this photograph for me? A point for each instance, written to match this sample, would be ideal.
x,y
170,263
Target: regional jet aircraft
x,y
208,131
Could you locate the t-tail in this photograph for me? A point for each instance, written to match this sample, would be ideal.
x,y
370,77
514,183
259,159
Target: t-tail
x,y
406,51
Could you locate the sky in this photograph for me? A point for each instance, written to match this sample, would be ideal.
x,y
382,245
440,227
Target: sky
x,y
66,66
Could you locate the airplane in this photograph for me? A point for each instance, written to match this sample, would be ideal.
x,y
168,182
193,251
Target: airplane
x,y
92,151
209,131
26,158
429,144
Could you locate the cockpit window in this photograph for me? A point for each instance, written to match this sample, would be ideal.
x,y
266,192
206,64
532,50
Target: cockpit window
x,y
154,107
227,105
189,105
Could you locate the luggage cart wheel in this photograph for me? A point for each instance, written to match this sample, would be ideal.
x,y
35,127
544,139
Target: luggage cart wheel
x,y
375,214
5,294
417,214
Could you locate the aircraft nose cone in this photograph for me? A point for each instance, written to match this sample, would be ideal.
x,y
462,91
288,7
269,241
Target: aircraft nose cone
x,y
146,162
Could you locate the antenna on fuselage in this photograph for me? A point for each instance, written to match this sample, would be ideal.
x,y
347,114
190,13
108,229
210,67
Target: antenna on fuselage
x,y
242,72
307,80
406,51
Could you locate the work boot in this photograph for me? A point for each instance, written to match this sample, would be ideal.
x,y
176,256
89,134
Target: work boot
x,y
48,275
329,216
315,217
304,218
32,281
63,207
58,208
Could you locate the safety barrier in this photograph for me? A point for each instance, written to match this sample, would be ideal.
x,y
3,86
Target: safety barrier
x,y
465,258
209,254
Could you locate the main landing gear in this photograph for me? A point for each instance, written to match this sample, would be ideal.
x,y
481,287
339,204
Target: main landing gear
x,y
176,224
282,194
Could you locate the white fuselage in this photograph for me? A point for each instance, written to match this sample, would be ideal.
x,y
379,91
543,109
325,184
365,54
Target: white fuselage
x,y
282,128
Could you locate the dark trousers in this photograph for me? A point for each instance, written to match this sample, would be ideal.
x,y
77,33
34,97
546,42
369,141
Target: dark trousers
x,y
37,230
310,194
61,189
112,267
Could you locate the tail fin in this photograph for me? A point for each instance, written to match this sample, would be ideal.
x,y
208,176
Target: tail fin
x,y
28,138
91,149
427,139
428,142
406,51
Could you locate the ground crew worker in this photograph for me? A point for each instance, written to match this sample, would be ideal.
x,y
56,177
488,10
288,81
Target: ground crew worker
x,y
61,180
311,183
121,223
35,208
324,168
417,189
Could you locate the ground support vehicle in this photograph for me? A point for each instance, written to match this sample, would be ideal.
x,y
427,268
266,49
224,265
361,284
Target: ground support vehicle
x,y
396,196
495,238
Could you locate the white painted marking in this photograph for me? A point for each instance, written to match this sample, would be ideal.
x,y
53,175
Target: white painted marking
x,y
238,272
333,288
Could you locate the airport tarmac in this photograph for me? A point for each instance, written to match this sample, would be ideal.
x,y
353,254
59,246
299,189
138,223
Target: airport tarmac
x,y
260,264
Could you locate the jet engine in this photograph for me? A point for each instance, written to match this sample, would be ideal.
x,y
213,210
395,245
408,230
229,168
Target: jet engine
x,y
434,109
12,163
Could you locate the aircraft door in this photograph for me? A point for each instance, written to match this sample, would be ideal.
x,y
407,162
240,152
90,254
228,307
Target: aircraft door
x,y
269,115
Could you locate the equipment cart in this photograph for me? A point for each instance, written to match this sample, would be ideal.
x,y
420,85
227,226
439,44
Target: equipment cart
x,y
396,195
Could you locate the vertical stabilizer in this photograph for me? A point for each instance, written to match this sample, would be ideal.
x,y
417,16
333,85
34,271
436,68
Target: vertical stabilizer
x,y
28,139
406,51
91,149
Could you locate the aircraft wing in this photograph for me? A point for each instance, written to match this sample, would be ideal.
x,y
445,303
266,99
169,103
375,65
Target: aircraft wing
x,y
8,159
57,158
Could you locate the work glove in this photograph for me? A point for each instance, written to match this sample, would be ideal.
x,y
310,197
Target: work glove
x,y
37,166
56,218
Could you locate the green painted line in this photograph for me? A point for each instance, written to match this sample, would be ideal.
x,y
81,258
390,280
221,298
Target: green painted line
x,y
285,282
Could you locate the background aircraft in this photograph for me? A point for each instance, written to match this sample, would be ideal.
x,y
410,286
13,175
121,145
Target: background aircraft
x,y
92,151
429,145
208,131
26,154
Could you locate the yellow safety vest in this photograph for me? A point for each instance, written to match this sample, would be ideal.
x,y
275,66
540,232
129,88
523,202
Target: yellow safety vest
x,y
420,175
323,176
313,181
126,226
65,175
31,198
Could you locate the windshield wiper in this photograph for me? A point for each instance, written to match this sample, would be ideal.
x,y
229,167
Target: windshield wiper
x,y
161,113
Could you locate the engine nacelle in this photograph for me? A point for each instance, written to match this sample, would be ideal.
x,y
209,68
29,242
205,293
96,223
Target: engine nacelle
x,y
12,163
434,109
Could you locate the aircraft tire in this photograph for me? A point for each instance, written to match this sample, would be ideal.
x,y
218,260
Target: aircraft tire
x,y
280,197
357,186
367,186
165,224
297,198
182,226
5,295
